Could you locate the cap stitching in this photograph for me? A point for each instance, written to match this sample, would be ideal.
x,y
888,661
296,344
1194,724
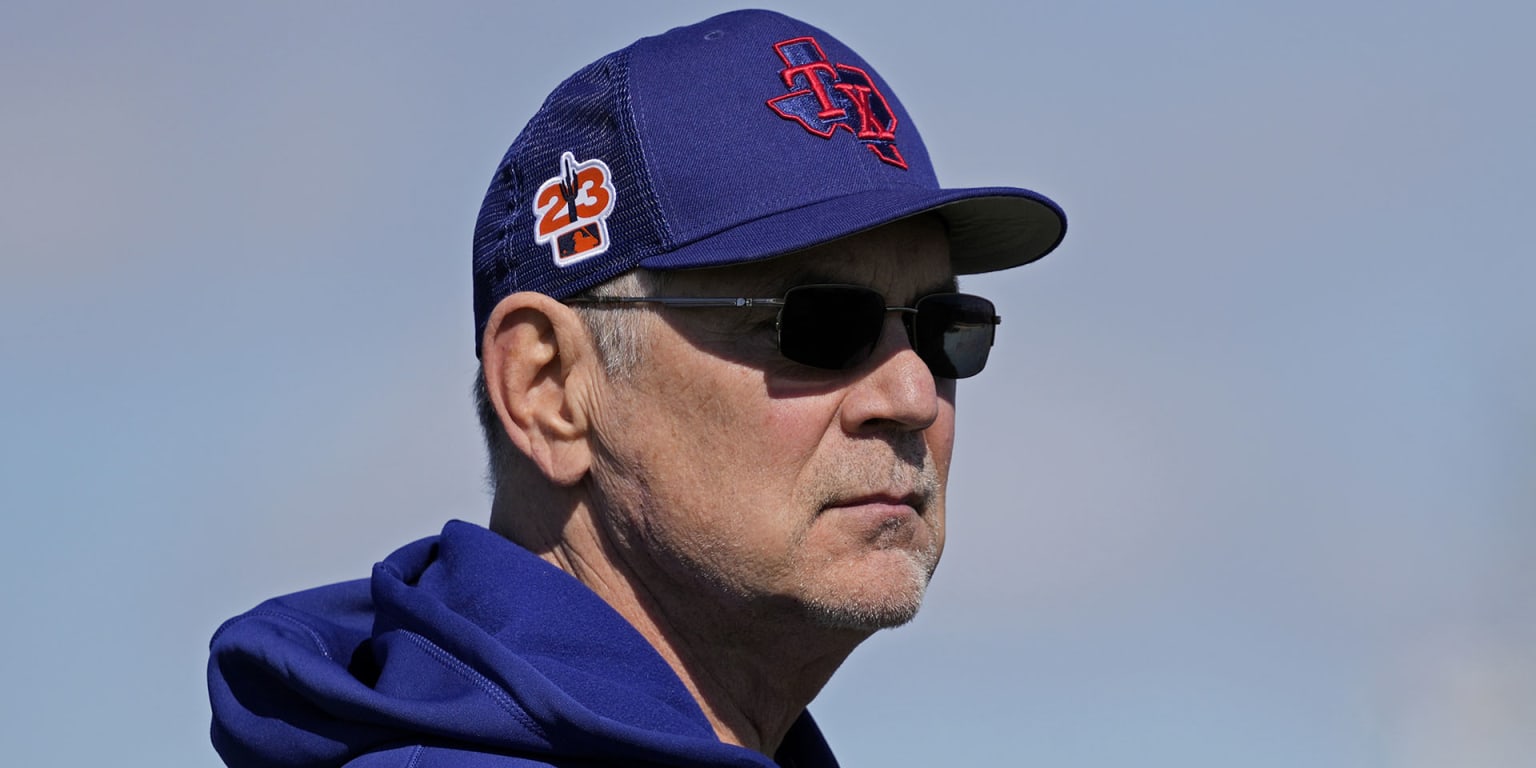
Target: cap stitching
x,y
635,116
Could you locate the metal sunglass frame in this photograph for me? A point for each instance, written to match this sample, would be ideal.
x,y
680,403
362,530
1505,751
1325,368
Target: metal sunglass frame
x,y
748,303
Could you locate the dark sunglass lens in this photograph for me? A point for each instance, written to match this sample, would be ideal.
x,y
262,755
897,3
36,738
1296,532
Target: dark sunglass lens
x,y
952,333
830,326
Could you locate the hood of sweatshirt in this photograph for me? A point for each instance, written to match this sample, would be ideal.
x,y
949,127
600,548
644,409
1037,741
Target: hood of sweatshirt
x,y
460,644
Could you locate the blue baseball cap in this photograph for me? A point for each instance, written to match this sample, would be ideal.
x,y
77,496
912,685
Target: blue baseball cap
x,y
745,137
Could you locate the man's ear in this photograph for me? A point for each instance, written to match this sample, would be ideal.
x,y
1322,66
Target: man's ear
x,y
539,360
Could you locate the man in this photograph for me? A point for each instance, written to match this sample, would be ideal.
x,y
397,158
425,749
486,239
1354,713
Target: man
x,y
716,316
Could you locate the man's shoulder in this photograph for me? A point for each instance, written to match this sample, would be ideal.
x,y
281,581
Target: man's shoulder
x,y
422,756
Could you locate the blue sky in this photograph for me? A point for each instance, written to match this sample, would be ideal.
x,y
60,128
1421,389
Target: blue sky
x,y
1251,479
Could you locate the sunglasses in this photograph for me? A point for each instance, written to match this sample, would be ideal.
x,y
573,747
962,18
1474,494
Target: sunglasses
x,y
836,327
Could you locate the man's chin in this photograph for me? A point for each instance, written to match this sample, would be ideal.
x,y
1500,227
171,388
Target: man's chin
x,y
876,601
861,618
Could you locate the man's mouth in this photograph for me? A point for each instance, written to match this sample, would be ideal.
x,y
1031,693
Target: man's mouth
x,y
883,502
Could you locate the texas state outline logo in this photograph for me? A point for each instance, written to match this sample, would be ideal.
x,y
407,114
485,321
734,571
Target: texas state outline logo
x,y
825,96
571,210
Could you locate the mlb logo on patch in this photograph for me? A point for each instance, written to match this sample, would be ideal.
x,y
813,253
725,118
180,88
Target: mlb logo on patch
x,y
571,210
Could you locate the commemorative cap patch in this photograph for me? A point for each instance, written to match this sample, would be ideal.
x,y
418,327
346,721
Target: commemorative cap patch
x,y
571,210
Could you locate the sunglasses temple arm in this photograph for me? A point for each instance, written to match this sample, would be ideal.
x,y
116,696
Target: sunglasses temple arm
x,y
679,301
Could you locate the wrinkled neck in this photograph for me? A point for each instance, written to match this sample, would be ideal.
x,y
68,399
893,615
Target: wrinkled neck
x,y
753,665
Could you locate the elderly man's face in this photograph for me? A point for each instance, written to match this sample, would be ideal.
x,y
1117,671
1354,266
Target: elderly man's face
x,y
731,473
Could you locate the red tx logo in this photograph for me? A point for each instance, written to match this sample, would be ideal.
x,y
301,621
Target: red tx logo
x,y
824,97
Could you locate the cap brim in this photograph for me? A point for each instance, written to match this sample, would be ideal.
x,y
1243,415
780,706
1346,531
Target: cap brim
x,y
990,228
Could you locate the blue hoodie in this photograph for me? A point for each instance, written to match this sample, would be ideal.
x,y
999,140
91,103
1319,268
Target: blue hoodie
x,y
462,650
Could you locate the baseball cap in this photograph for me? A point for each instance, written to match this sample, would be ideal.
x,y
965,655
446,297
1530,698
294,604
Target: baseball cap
x,y
744,137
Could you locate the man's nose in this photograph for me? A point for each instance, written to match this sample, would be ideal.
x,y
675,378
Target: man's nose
x,y
896,389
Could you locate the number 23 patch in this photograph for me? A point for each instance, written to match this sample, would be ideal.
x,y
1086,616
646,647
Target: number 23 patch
x,y
571,210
